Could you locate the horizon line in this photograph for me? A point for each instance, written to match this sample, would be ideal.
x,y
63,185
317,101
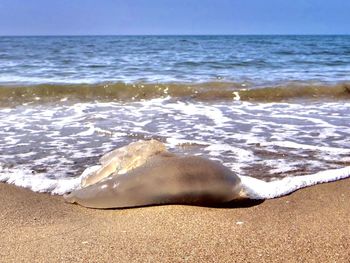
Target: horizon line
x,y
146,35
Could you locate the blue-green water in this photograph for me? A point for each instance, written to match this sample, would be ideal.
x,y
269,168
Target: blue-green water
x,y
254,59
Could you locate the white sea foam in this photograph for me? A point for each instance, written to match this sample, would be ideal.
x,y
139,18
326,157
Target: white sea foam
x,y
213,113
219,149
60,139
258,189
236,96
90,131
294,145
39,182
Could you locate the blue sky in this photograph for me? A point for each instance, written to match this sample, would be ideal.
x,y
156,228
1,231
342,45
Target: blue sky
x,y
130,17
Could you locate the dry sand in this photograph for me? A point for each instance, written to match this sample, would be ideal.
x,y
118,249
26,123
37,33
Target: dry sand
x,y
311,225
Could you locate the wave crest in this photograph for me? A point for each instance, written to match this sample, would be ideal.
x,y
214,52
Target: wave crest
x,y
209,91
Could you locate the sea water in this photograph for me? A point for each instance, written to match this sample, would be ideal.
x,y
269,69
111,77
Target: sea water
x,y
265,106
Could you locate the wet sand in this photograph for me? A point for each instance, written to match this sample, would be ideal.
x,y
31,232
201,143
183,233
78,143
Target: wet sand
x,y
311,225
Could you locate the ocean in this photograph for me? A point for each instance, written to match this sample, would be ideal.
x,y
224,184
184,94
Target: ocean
x,y
265,106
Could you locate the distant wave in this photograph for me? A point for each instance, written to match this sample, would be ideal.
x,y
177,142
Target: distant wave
x,y
209,91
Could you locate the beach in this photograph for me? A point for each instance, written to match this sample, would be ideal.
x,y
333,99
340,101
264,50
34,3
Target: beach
x,y
270,107
310,225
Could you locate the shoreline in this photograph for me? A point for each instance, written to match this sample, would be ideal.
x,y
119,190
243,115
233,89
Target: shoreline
x,y
311,225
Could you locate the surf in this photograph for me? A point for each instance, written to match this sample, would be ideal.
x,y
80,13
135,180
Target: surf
x,y
207,91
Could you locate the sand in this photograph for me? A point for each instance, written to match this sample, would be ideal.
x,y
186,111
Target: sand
x,y
311,225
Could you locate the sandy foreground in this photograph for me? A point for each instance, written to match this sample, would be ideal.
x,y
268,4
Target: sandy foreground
x,y
311,225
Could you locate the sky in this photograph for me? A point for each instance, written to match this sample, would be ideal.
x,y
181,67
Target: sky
x,y
173,17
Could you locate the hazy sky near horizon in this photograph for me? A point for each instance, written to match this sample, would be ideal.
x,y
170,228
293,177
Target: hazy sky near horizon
x,y
130,17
